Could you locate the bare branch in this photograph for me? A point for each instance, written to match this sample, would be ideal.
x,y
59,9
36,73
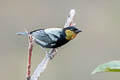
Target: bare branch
x,y
29,57
42,66
69,21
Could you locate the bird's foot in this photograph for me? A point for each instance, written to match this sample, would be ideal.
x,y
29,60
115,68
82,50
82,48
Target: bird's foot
x,y
52,54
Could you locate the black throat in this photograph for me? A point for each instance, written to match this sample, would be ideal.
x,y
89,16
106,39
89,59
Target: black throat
x,y
62,40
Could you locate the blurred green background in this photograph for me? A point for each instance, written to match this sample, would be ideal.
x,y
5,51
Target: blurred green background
x,y
98,43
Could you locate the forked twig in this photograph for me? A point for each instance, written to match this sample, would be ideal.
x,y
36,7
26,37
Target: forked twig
x,y
42,66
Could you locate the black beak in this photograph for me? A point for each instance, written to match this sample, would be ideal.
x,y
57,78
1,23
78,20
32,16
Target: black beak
x,y
77,31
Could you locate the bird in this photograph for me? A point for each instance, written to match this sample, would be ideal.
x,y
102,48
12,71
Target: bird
x,y
53,37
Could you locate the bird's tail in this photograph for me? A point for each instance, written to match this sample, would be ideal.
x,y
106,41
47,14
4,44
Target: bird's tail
x,y
22,33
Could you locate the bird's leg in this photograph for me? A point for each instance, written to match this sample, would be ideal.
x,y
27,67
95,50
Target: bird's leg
x,y
52,53
55,52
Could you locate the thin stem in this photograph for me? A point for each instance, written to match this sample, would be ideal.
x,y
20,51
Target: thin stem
x,y
69,21
29,57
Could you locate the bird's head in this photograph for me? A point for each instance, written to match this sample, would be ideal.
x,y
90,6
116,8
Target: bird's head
x,y
71,32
